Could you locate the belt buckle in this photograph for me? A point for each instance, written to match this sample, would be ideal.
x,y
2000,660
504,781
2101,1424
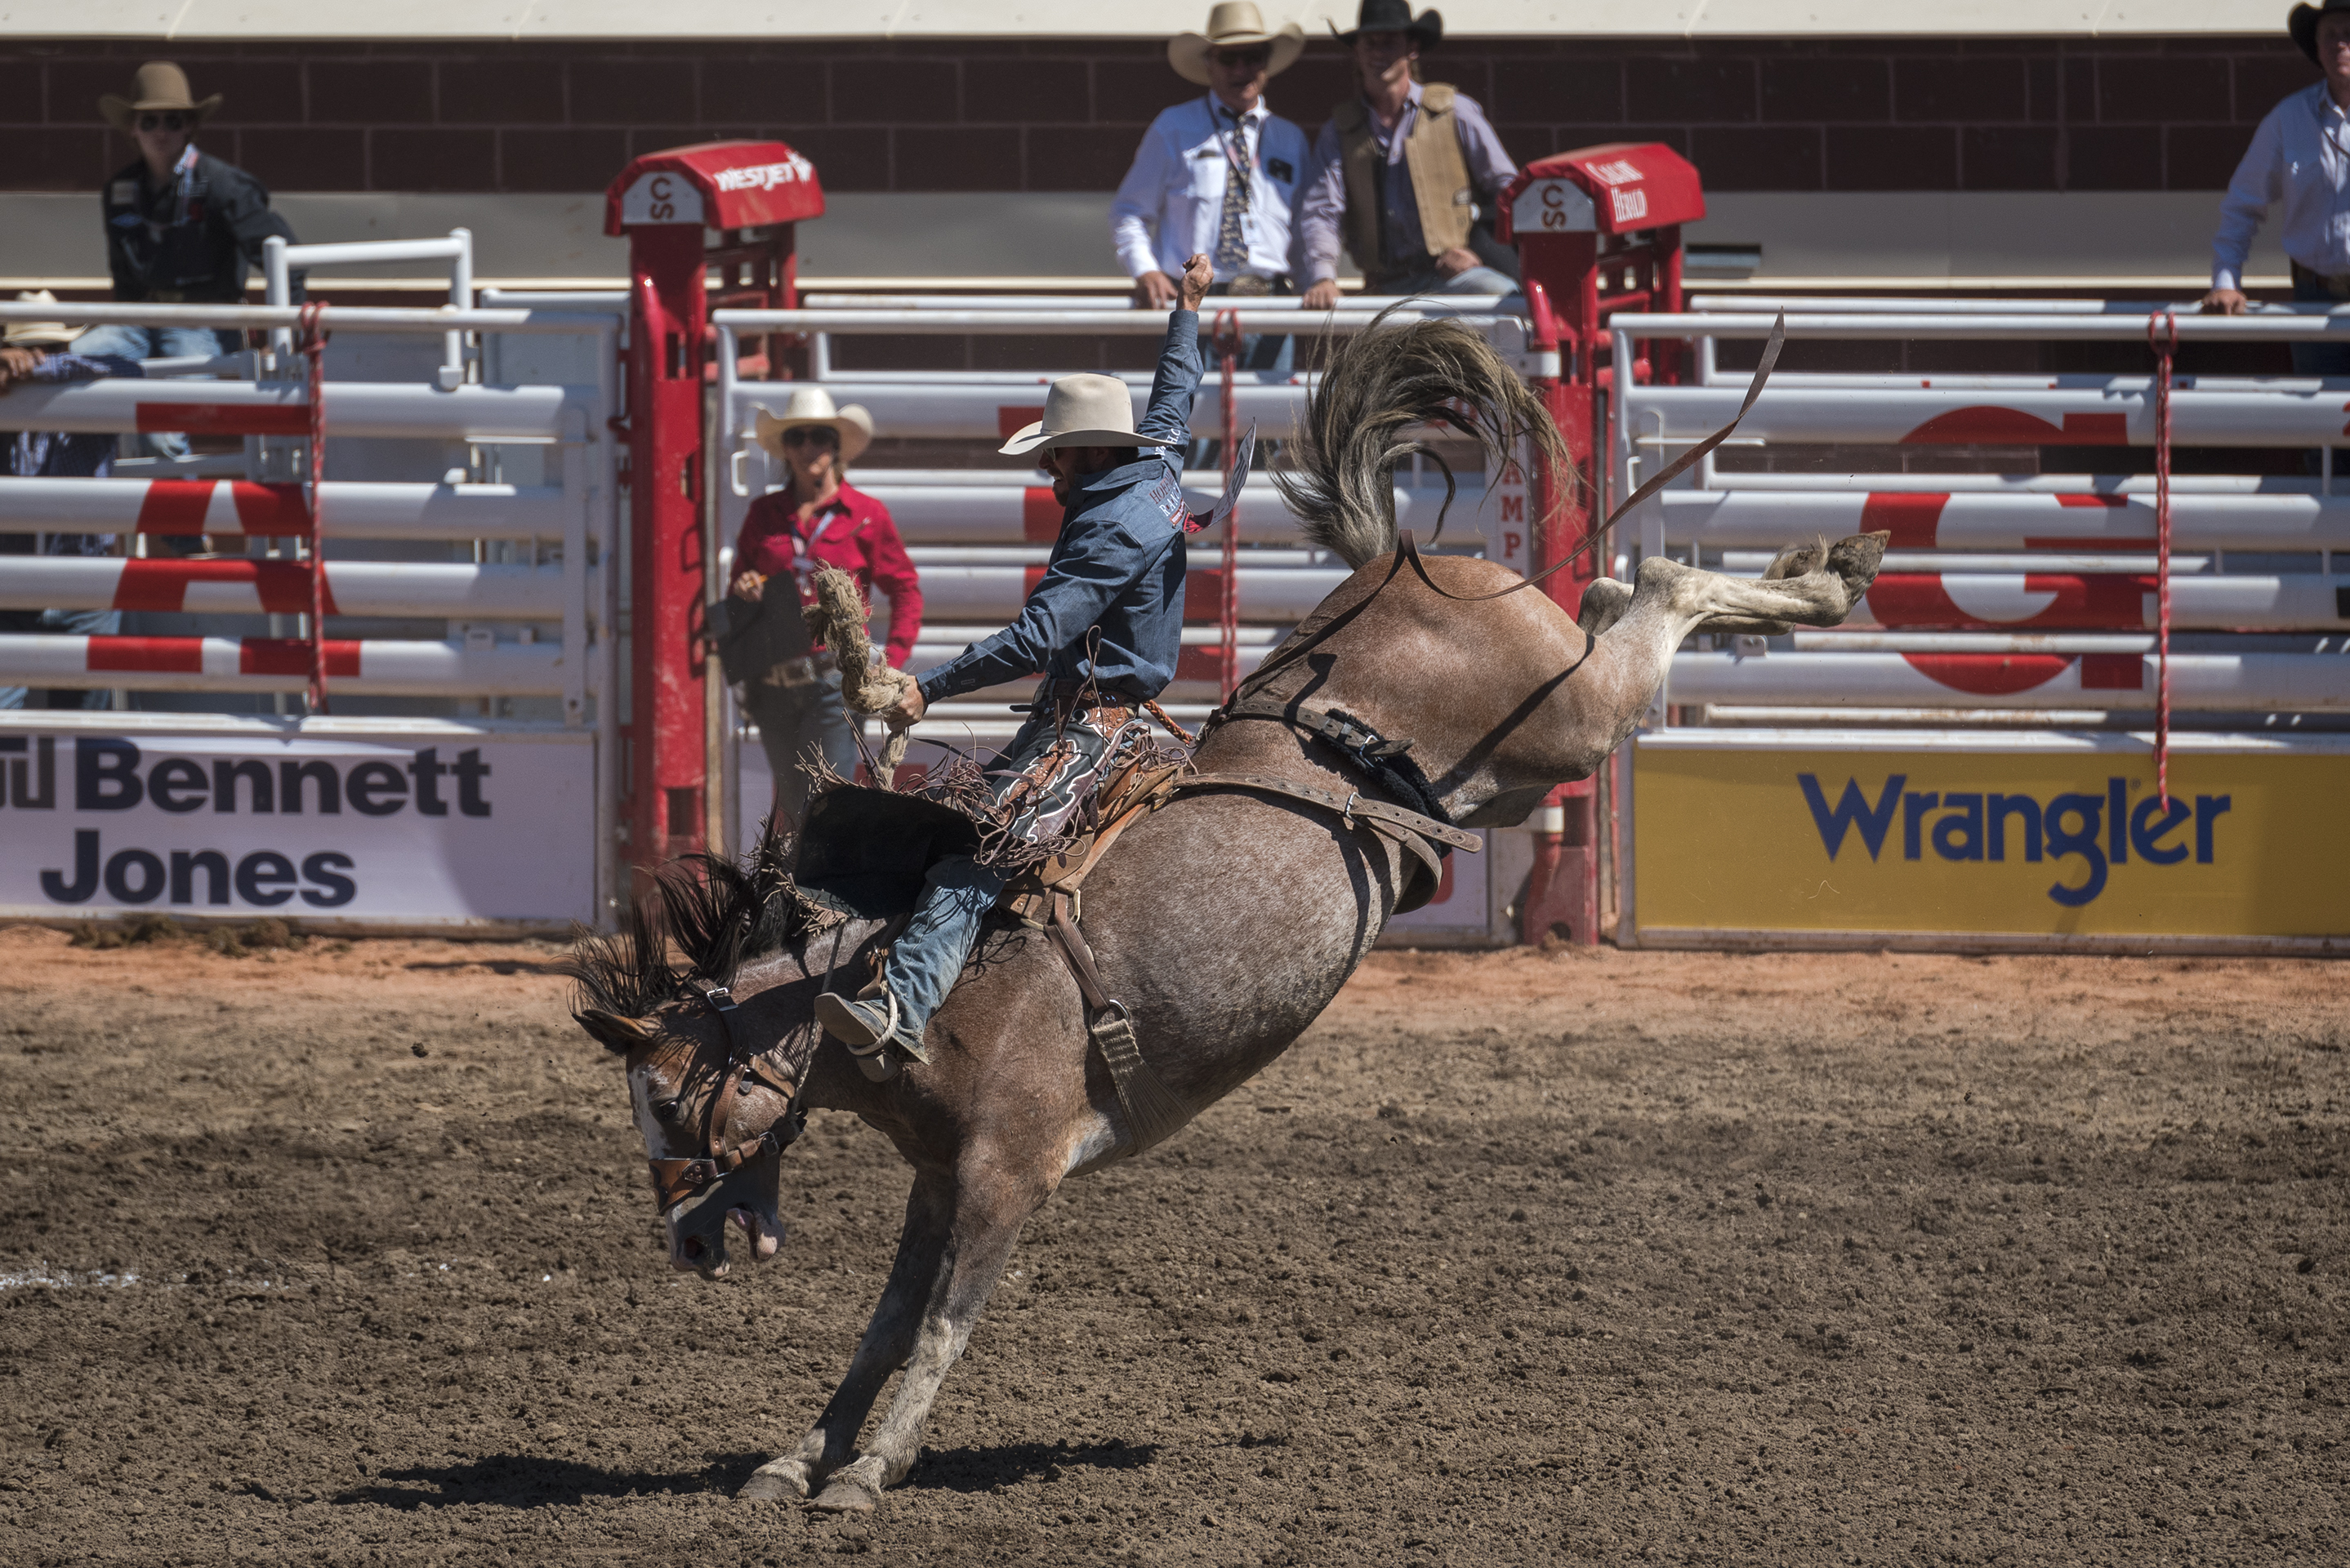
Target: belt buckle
x,y
1248,285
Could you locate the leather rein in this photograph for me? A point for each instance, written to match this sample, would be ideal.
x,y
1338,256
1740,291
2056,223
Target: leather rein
x,y
675,1180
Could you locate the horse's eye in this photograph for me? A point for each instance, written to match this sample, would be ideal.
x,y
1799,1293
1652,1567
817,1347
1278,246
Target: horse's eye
x,y
666,1110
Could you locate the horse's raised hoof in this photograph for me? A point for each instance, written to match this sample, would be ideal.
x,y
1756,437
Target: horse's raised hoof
x,y
1856,558
850,1491
778,1481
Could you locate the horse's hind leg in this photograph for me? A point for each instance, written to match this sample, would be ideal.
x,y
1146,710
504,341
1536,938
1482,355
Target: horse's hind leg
x,y
889,1340
1806,585
991,1203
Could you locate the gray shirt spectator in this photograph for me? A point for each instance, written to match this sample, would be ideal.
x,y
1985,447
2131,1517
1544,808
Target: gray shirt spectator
x,y
1325,202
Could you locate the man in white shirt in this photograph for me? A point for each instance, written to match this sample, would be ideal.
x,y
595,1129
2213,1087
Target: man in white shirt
x,y
2301,156
1218,176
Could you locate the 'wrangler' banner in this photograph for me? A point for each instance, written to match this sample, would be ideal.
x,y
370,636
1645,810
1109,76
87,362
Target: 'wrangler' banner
x,y
2043,836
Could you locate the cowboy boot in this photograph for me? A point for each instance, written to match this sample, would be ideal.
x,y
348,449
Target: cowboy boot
x,y
872,1026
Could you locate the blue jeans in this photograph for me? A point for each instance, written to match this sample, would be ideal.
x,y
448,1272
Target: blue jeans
x,y
61,623
2317,358
791,719
930,954
1428,280
157,343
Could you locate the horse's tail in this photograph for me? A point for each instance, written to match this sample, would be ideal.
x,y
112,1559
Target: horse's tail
x,y
1379,388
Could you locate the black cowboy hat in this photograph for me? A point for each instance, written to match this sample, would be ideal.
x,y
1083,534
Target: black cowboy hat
x,y
1395,16
2302,24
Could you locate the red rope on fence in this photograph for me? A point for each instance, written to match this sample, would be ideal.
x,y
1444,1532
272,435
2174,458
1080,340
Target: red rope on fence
x,y
2162,336
1228,345
314,347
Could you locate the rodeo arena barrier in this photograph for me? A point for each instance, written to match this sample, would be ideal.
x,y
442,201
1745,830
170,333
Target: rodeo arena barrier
x,y
2074,709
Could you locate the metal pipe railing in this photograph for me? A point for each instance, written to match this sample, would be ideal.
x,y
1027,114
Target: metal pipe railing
x,y
348,318
279,258
1955,327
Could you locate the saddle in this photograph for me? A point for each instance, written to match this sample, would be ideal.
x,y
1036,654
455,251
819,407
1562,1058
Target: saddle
x,y
865,851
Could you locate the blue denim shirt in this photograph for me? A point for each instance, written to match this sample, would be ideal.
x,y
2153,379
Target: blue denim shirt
x,y
1116,566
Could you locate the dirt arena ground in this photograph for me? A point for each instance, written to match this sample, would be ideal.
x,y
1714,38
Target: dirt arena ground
x,y
343,1256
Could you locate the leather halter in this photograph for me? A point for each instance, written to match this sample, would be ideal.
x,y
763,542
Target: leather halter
x,y
675,1180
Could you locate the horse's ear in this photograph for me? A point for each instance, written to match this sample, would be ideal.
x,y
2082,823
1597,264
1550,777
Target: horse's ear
x,y
617,1033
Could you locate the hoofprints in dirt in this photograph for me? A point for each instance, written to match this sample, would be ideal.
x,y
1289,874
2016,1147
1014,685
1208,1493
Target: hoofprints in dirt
x,y
1223,924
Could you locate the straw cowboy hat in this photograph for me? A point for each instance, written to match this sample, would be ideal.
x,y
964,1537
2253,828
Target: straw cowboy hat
x,y
40,333
159,88
1233,26
1084,410
813,406
1394,16
2302,24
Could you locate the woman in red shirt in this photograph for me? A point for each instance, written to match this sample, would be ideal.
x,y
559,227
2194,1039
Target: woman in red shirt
x,y
818,520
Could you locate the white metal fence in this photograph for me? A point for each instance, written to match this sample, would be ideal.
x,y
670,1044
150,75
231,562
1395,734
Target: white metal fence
x,y
520,476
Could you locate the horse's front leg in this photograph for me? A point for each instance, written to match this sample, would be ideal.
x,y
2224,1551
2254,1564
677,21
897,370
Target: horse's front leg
x,y
888,1339
991,1200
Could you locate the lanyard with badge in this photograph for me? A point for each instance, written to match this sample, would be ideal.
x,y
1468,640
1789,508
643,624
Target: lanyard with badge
x,y
804,562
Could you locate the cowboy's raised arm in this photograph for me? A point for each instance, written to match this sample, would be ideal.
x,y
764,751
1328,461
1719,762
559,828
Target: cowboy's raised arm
x,y
1169,417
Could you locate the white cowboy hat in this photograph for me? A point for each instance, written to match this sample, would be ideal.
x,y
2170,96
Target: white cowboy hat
x,y
813,406
1084,410
40,333
1235,24
159,88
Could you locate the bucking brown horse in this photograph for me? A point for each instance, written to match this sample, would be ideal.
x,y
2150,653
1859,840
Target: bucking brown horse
x,y
1224,921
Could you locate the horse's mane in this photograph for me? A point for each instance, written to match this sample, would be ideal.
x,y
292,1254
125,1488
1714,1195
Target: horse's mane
x,y
716,914
1378,388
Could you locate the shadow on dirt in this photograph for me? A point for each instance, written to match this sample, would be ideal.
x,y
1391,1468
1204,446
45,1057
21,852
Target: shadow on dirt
x,y
981,1470
517,1480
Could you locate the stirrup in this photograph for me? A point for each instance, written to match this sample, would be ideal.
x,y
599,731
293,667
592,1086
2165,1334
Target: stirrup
x,y
879,1056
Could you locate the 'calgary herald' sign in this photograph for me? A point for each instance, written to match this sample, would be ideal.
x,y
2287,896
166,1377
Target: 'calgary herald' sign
x,y
430,826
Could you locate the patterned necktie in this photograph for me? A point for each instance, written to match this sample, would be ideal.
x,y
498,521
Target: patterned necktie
x,y
1232,237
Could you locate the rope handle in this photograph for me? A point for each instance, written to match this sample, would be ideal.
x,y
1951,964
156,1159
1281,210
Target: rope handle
x,y
2162,337
313,340
1228,347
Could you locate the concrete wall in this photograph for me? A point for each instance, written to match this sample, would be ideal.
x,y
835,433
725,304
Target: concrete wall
x,y
1853,158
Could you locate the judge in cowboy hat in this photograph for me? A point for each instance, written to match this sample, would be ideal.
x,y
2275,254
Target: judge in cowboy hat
x,y
816,519
1407,175
2293,159
182,226
1217,175
1105,624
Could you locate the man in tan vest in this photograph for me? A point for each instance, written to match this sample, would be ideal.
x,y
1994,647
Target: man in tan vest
x,y
1405,176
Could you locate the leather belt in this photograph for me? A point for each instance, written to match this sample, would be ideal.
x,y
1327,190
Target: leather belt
x,y
812,670
2336,285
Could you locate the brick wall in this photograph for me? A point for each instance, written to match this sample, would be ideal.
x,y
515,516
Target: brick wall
x,y
1955,115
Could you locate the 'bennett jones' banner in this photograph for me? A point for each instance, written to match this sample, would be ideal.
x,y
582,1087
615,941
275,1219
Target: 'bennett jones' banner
x,y
436,827
2022,841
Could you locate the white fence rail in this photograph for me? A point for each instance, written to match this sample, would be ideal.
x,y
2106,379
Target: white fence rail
x,y
2005,556
533,617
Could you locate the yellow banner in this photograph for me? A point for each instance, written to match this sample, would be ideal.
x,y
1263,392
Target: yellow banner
x,y
2024,843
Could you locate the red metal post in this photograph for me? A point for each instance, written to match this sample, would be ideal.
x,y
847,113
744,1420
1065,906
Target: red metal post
x,y
1577,218
663,736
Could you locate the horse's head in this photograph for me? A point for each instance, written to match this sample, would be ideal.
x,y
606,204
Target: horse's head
x,y
715,1121
714,1091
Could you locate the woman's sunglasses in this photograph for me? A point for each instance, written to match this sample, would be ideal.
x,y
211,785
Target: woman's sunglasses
x,y
804,435
162,123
